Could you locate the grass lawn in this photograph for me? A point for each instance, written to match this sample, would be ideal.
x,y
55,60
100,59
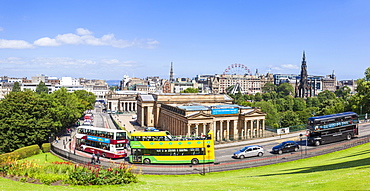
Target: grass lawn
x,y
344,170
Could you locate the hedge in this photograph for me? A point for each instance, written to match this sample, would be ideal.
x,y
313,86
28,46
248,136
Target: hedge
x,y
25,152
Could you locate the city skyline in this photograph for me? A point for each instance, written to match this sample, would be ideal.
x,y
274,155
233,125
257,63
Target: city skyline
x,y
107,41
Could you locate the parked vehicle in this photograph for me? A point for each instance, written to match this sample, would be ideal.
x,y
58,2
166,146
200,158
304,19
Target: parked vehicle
x,y
249,151
287,146
151,129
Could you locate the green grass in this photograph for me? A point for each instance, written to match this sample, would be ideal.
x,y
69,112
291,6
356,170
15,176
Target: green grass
x,y
344,170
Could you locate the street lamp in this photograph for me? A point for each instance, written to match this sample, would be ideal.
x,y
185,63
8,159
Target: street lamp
x,y
300,136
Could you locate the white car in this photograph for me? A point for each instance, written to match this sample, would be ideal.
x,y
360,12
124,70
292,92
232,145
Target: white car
x,y
249,151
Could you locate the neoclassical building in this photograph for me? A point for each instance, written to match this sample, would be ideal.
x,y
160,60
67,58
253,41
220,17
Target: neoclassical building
x,y
195,115
123,101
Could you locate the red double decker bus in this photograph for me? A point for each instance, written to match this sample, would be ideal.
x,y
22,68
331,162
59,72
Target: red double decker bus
x,y
109,143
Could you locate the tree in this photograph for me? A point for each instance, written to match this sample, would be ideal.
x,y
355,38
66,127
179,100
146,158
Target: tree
x,y
367,74
268,87
343,92
266,96
330,106
325,95
41,88
272,117
289,118
257,97
67,106
299,104
88,99
16,87
360,102
26,118
312,102
190,90
285,89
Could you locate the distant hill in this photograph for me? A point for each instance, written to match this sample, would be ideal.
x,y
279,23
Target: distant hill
x,y
113,82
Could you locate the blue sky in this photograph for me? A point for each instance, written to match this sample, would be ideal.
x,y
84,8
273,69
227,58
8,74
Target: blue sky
x,y
109,39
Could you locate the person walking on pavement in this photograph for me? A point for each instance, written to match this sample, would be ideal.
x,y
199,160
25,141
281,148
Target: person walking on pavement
x,y
98,158
93,158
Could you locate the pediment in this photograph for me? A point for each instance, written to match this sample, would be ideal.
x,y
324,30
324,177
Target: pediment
x,y
199,115
255,112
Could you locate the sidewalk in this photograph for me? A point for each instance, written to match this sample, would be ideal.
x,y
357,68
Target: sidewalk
x,y
278,138
126,121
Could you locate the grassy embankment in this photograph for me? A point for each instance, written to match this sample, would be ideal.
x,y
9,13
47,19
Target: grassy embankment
x,y
344,170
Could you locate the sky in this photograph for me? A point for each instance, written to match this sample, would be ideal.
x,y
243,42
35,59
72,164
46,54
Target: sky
x,y
109,39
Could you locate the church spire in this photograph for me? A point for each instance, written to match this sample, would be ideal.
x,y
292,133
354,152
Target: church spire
x,y
171,73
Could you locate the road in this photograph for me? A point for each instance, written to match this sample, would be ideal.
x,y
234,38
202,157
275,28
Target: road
x,y
225,154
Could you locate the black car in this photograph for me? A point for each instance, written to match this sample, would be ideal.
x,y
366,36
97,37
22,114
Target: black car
x,y
287,146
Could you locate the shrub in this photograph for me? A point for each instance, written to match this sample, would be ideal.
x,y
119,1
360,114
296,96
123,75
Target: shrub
x,y
45,147
21,153
94,175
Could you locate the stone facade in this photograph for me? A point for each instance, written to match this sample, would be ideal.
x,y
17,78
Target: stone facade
x,y
194,115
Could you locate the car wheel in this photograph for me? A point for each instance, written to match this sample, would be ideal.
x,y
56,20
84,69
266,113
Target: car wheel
x,y
147,161
194,161
260,154
103,155
296,149
280,152
317,143
241,156
349,136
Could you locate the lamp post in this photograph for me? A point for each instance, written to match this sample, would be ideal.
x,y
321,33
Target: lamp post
x,y
300,136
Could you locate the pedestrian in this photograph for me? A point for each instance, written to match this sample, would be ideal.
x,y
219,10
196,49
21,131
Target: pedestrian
x,y
56,139
93,158
366,117
98,158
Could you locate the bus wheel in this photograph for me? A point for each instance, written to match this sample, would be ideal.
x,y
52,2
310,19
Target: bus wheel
x,y
317,143
194,161
146,161
349,136
103,155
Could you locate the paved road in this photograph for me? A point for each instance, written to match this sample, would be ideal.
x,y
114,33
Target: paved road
x,y
223,152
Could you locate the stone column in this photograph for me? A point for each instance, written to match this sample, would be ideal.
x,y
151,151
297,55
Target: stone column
x,y
227,130
221,131
189,130
258,128
236,136
196,129
204,129
245,129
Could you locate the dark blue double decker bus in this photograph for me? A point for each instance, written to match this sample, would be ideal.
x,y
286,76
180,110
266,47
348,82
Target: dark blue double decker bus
x,y
331,128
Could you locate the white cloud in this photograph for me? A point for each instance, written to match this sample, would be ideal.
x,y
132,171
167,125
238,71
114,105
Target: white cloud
x,y
12,60
289,66
15,44
284,67
46,41
61,61
82,37
69,39
81,31
118,63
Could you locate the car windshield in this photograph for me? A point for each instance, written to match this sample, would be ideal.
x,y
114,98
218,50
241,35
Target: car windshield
x,y
243,149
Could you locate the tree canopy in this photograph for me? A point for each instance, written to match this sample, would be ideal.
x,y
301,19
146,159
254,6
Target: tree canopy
x,y
28,118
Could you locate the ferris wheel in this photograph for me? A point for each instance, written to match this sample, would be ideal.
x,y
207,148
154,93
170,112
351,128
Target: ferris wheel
x,y
237,69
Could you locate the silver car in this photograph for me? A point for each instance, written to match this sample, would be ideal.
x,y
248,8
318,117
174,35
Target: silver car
x,y
249,151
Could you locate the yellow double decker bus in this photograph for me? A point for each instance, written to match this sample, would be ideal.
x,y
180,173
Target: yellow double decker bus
x,y
161,147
